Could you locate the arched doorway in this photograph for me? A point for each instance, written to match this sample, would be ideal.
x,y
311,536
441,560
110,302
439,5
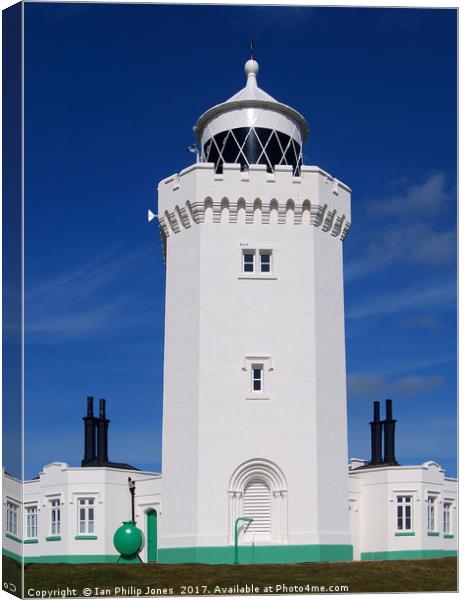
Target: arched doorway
x,y
152,535
258,490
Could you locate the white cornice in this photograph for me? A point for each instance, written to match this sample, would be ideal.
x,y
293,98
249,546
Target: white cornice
x,y
197,194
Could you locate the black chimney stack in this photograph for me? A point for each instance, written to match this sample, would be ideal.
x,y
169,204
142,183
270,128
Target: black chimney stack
x,y
376,436
389,436
102,425
89,434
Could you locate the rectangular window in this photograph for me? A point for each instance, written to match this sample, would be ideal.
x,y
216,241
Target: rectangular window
x,y
31,522
86,516
55,517
265,261
257,262
431,510
12,518
404,513
257,378
447,517
248,261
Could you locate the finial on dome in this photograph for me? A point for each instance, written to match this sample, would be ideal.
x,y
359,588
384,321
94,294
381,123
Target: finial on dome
x,y
251,70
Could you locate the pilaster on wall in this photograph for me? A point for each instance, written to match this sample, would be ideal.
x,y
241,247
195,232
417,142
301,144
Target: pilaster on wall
x,y
198,195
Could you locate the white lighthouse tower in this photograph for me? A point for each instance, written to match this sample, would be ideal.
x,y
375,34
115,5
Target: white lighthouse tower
x,y
254,422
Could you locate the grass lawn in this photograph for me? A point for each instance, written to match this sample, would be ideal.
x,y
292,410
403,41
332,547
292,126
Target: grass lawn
x,y
434,574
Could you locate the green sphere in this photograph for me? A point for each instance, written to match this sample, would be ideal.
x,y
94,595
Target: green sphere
x,y
128,539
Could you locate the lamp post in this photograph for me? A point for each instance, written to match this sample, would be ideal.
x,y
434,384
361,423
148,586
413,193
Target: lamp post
x,y
132,492
237,521
128,539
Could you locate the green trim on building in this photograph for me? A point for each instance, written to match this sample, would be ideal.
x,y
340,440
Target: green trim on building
x,y
451,553
31,541
12,555
85,537
407,554
433,533
75,559
224,555
403,533
448,536
53,538
13,537
265,554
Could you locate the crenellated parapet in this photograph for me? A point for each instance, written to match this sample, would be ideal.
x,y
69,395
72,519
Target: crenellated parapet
x,y
199,195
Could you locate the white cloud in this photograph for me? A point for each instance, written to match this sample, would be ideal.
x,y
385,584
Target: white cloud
x,y
425,200
414,244
88,299
416,384
407,231
405,300
372,386
408,365
424,321
367,386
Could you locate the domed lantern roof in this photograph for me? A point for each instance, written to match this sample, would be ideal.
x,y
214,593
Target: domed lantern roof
x,y
252,127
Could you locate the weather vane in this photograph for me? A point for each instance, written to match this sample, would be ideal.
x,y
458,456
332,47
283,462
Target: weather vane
x,y
252,48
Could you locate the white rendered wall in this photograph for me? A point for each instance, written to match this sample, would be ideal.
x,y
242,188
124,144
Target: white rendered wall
x,y
181,382
215,319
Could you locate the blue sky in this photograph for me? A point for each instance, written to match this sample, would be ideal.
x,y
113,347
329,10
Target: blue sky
x,y
112,93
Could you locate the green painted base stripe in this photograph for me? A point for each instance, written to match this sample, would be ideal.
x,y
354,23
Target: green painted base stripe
x,y
406,554
217,555
451,553
75,559
260,555
12,555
